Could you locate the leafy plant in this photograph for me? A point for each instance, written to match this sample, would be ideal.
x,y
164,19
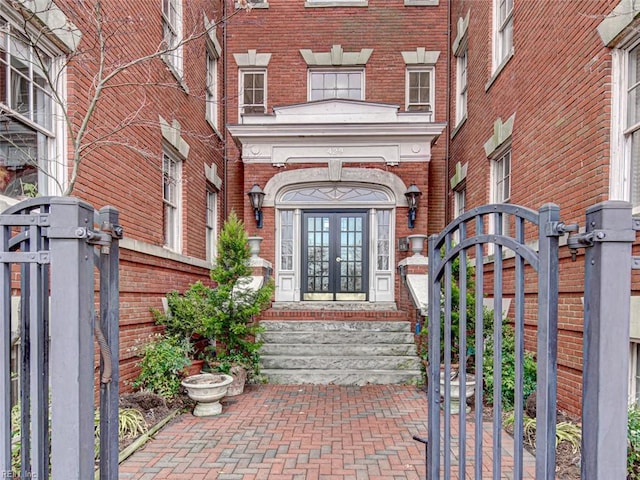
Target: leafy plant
x,y
16,443
164,359
633,443
234,302
508,368
565,431
131,424
186,311
470,320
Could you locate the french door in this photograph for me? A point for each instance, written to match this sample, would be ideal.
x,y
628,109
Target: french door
x,y
335,255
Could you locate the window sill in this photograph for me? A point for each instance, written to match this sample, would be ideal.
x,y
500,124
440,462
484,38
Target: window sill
x,y
458,126
421,3
498,71
179,77
255,5
336,3
214,128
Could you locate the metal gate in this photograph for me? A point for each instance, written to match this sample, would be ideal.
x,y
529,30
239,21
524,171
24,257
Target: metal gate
x,y
510,254
49,249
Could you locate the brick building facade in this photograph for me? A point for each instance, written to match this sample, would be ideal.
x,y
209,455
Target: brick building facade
x,y
335,109
152,144
533,120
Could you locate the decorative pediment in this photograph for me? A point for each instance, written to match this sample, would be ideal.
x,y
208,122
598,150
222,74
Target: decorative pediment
x,y
335,132
336,111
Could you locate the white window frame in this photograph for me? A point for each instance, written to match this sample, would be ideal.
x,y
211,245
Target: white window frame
x,y
212,89
241,88
623,128
48,124
499,177
634,373
429,104
462,63
497,188
212,224
172,34
502,32
459,201
459,205
336,3
172,200
334,71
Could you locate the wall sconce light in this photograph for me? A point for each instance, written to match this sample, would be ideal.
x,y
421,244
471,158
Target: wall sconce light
x,y
256,195
413,193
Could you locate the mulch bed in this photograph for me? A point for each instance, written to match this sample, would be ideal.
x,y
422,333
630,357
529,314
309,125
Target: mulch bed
x,y
153,407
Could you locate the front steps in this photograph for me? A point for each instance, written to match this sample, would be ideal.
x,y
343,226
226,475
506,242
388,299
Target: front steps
x,y
342,352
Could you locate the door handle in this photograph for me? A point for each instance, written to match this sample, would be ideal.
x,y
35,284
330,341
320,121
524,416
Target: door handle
x,y
338,259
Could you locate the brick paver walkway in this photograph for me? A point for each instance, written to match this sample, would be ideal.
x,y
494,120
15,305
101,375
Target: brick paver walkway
x,y
290,432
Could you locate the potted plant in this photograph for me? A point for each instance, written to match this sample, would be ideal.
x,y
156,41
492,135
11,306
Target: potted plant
x,y
459,360
233,304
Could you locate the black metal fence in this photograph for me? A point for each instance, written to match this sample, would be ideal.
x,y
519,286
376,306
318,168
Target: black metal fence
x,y
510,254
49,250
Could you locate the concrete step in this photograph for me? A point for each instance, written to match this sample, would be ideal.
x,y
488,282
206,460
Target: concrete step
x,y
380,362
323,336
342,377
341,351
337,349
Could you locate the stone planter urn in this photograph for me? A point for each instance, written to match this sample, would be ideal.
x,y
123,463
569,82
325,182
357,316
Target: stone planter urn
x,y
455,392
254,246
417,244
207,389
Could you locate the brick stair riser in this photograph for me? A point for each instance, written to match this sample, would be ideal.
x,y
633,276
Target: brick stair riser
x,y
346,326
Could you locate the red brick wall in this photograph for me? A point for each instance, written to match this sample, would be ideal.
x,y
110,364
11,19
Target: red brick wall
x,y
558,86
126,170
386,26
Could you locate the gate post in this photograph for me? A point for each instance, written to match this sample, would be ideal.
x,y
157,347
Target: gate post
x,y
109,323
547,343
609,235
72,352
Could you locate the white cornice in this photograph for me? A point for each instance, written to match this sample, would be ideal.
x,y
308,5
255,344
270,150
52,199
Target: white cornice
x,y
338,130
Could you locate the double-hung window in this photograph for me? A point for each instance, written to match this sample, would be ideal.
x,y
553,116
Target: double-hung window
x,y
27,127
254,91
459,201
419,89
501,186
502,31
172,197
325,84
172,29
626,174
212,224
461,86
212,89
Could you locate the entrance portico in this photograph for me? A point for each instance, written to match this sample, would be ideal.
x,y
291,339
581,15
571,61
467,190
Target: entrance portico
x,y
334,173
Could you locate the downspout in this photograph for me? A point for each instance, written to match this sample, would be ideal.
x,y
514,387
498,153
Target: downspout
x,y
447,201
225,151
